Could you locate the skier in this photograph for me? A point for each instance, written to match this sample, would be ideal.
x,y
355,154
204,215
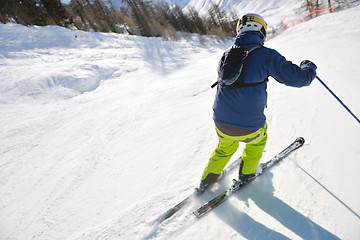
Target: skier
x,y
239,113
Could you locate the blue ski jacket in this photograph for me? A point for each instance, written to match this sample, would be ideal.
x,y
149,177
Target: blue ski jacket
x,y
244,107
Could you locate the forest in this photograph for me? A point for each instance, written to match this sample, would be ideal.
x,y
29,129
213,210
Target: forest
x,y
138,17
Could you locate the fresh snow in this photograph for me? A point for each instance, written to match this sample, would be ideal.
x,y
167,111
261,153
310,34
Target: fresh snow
x,y
102,133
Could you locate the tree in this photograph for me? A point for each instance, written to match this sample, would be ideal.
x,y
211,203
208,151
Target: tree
x,y
139,17
56,11
27,12
197,20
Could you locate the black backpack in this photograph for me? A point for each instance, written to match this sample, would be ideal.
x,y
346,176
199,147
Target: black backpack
x,y
231,66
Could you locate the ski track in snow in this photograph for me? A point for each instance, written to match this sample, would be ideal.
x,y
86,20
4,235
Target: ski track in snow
x,y
102,133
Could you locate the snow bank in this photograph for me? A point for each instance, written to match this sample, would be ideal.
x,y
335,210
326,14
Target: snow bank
x,y
55,61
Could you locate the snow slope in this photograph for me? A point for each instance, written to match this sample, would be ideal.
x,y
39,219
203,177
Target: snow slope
x,y
101,133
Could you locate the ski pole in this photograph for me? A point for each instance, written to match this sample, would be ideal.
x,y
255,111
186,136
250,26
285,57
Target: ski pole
x,y
357,119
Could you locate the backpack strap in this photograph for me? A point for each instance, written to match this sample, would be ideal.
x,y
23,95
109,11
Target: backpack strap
x,y
251,84
240,83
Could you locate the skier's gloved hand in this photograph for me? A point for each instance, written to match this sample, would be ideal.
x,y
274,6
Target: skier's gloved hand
x,y
306,64
309,66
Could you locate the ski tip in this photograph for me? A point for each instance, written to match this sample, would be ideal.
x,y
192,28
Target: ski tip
x,y
197,214
300,140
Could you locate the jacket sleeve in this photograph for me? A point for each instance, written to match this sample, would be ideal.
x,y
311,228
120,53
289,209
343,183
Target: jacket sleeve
x,y
288,73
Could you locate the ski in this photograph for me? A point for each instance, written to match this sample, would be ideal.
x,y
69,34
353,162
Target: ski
x,y
238,184
178,206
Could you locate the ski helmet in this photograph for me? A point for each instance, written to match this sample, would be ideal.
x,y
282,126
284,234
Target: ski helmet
x,y
252,22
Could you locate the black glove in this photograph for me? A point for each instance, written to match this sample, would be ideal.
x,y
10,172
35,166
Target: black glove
x,y
306,64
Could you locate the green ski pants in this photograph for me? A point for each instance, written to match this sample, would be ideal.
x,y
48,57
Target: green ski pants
x,y
227,147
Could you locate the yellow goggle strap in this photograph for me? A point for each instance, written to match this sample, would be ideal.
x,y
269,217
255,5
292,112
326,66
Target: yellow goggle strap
x,y
252,19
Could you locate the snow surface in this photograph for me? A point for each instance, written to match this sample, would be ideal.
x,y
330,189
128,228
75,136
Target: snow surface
x,y
102,133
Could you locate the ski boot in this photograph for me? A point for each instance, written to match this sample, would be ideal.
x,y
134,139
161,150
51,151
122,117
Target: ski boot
x,y
246,177
203,186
